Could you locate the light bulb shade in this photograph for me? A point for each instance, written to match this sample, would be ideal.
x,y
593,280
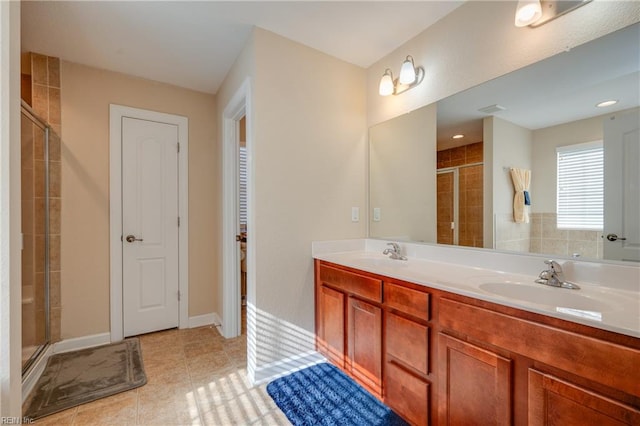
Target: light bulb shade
x,y
386,84
408,71
527,12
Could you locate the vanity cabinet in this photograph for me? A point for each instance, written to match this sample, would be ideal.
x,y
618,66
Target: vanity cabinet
x,y
439,358
349,324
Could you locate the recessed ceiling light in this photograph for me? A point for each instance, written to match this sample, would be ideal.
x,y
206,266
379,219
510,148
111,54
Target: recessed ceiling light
x,y
606,103
457,136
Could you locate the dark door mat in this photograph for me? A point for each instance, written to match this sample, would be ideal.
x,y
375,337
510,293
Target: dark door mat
x,y
78,377
324,395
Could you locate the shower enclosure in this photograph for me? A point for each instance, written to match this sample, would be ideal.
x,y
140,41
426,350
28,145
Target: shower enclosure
x,y
36,333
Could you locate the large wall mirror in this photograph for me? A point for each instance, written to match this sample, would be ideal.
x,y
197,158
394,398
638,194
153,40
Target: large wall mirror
x,y
537,129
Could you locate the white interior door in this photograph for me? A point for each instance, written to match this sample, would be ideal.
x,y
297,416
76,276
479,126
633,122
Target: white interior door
x,y
622,187
149,226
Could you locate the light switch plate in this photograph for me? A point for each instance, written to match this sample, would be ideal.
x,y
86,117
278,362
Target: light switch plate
x,y
355,214
376,214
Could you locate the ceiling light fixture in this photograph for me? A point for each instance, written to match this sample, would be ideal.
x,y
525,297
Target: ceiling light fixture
x,y
537,12
410,77
604,104
458,136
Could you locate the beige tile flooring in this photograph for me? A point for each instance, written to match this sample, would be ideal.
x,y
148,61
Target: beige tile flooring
x,y
195,377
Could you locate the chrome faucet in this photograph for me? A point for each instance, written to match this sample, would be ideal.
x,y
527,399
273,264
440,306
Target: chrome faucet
x,y
394,252
554,276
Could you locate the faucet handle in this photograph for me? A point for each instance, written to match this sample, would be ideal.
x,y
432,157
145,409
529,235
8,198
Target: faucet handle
x,y
395,246
555,266
555,269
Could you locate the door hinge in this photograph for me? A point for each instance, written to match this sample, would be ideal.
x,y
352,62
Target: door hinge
x,y
179,295
178,147
178,221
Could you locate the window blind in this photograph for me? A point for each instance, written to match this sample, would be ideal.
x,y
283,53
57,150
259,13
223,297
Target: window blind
x,y
580,186
243,185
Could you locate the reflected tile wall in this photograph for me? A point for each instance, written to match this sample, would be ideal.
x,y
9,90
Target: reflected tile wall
x,y
470,195
512,236
548,239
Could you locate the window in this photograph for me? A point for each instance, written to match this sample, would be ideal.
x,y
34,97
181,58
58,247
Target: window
x,y
580,186
243,187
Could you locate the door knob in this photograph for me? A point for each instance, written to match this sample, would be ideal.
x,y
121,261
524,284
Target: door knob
x,y
614,237
132,238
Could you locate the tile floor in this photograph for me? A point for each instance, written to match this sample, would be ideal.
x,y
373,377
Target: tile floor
x,y
194,377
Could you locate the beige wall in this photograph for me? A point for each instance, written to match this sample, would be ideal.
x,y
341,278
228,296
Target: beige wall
x,y
402,178
10,238
478,42
86,95
309,133
511,147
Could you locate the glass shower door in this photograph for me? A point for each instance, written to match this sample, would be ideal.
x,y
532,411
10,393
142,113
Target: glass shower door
x,y
35,230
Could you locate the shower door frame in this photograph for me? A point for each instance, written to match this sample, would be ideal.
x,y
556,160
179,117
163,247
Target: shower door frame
x,y
33,117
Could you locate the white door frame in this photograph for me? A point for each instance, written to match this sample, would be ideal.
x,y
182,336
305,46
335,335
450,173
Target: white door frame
x,y
238,106
116,113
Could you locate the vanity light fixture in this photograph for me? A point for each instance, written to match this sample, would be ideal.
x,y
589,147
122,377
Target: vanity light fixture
x,y
528,12
410,77
458,136
604,104
386,83
537,12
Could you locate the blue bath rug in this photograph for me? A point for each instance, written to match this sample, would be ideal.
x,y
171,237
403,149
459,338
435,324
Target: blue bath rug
x,y
324,395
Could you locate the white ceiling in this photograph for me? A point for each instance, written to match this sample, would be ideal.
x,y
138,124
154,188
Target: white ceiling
x,y
194,44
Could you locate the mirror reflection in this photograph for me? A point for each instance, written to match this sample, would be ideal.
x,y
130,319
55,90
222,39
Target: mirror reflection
x,y
526,162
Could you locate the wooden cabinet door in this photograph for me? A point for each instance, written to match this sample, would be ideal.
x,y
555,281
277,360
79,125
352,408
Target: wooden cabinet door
x,y
406,394
474,384
364,340
331,325
553,401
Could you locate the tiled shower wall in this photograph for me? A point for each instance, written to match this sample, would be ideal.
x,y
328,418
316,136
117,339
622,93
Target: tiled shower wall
x,y
511,236
41,89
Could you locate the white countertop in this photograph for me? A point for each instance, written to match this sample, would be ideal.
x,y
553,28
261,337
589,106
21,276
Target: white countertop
x,y
613,307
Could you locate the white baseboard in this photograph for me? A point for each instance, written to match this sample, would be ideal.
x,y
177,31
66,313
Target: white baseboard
x,y
29,381
81,342
206,319
271,371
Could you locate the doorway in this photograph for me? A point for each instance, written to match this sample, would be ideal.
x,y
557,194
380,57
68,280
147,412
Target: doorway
x,y
242,220
621,234
237,109
149,221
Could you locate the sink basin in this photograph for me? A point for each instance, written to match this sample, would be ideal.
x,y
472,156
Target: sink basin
x,y
549,296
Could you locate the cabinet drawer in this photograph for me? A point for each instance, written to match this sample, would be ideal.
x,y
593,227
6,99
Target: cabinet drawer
x,y
407,300
407,395
408,342
351,283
